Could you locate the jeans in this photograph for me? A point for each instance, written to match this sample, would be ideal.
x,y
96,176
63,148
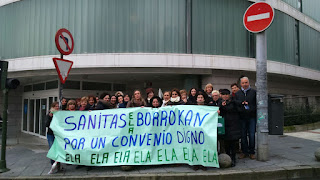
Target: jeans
x,y
248,128
50,139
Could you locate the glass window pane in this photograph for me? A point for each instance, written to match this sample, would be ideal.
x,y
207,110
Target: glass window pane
x,y
50,101
37,116
31,115
25,114
27,88
96,86
43,117
119,87
52,85
72,85
38,87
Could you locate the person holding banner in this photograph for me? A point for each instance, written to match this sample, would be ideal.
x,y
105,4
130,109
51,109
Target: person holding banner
x,y
71,106
200,101
63,103
208,89
192,96
150,94
113,102
229,111
126,99
92,102
156,102
184,96
104,102
84,104
120,104
166,98
137,100
175,98
50,136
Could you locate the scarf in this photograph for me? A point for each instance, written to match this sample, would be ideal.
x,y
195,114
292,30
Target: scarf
x,y
177,99
245,90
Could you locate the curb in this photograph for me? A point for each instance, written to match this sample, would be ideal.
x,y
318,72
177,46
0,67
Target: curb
x,y
291,172
299,128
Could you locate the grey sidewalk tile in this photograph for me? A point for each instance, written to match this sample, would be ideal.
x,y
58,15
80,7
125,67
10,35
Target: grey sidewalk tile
x,y
13,172
33,170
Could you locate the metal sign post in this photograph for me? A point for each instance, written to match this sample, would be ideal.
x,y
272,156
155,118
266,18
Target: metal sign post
x,y
3,164
257,18
60,89
262,98
65,45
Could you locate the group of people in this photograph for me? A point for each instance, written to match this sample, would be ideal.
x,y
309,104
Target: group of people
x,y
238,108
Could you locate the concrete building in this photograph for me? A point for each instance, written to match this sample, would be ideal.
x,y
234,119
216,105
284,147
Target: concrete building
x,y
133,44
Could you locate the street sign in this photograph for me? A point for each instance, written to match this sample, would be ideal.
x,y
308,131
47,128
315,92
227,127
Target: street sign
x,y
64,41
258,17
63,68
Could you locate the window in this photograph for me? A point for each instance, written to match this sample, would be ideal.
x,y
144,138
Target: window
x,y
27,88
119,87
38,87
72,85
96,86
52,85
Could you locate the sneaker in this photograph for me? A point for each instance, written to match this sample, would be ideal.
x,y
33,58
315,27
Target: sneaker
x,y
242,156
233,163
252,156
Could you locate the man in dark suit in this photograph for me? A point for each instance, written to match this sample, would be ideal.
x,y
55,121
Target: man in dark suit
x,y
246,101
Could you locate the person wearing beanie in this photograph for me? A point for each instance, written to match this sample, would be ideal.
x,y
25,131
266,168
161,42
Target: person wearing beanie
x,y
150,94
229,111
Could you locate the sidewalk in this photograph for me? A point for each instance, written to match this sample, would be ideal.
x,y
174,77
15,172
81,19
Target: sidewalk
x,y
291,156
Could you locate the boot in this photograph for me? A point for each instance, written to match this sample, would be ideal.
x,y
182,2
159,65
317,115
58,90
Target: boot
x,y
233,162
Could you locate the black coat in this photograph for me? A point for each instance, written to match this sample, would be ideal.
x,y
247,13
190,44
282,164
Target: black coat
x,y
231,120
102,105
215,103
192,100
250,97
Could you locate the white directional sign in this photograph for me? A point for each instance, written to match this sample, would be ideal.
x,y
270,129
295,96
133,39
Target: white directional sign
x,y
63,68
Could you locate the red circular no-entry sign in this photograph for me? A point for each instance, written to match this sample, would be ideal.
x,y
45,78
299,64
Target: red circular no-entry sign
x,y
258,17
64,41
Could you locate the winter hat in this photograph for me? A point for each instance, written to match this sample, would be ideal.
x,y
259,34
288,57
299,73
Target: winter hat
x,y
149,90
224,92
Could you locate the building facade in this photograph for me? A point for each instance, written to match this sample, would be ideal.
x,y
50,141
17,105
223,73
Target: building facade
x,y
135,44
